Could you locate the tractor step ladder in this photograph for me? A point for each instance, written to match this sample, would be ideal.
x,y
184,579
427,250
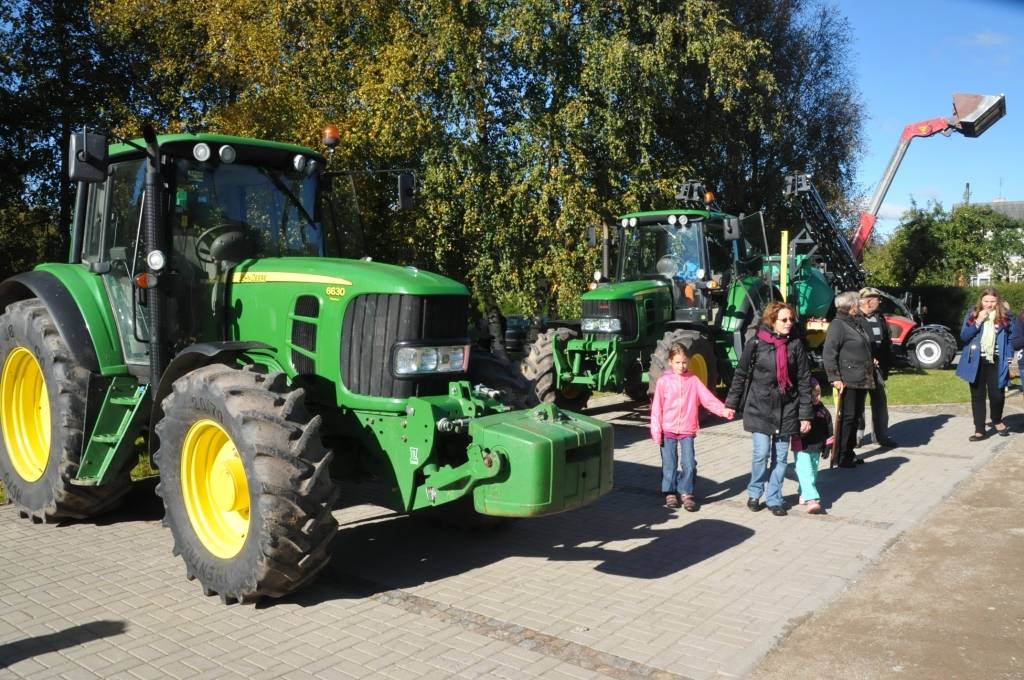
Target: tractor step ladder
x,y
831,244
115,423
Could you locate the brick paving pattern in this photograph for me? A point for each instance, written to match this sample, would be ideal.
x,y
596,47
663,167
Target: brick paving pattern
x,y
623,588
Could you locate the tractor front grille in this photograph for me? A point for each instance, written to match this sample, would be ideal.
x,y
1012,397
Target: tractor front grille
x,y
374,322
623,309
304,334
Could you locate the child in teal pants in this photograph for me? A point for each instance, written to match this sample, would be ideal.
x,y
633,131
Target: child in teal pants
x,y
809,449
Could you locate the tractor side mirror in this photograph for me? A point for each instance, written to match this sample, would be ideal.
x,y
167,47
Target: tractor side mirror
x,y
592,237
406,184
731,229
87,158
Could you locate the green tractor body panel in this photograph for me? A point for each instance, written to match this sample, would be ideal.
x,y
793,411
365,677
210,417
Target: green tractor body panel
x,y
270,300
91,297
811,292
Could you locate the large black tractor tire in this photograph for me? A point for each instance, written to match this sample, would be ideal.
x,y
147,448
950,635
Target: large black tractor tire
x,y
500,374
700,350
931,348
42,415
539,369
245,483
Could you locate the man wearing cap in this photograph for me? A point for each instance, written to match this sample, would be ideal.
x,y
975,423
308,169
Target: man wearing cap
x,y
881,351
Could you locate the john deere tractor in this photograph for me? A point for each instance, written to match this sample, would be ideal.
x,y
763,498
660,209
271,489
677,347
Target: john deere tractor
x,y
692,275
208,317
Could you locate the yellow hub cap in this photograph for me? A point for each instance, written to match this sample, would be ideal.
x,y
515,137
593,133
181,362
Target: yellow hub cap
x,y
699,368
25,414
215,489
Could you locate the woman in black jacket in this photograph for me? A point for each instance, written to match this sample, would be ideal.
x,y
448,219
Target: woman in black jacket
x,y
772,387
851,370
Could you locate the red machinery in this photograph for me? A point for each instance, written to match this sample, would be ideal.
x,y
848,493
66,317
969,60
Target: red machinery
x,y
972,115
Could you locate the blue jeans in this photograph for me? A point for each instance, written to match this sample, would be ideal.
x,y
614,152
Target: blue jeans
x,y
672,479
764,446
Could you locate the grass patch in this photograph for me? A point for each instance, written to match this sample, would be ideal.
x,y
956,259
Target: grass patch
x,y
915,386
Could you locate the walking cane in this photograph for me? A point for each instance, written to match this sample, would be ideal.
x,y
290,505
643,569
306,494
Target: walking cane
x,y
833,458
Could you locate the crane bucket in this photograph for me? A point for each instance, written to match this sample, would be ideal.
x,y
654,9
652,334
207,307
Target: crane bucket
x,y
976,113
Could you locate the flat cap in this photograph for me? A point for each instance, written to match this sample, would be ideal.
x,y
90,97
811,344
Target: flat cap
x,y
870,292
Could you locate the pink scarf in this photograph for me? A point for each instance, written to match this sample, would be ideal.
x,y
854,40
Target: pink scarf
x,y
781,357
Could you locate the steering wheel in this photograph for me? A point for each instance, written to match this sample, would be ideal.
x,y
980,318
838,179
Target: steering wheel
x,y
204,242
668,265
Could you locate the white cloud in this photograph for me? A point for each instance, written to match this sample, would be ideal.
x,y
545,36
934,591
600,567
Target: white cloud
x,y
989,39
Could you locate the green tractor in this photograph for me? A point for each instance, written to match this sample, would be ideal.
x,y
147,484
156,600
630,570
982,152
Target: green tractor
x,y
692,275
211,316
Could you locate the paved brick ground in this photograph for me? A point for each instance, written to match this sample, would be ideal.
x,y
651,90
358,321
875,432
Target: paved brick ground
x,y
623,588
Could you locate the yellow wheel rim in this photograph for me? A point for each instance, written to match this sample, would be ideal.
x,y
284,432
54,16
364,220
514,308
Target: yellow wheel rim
x,y
25,414
215,489
699,367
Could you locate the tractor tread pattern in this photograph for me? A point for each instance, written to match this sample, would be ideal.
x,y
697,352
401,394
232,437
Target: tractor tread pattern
x,y
539,369
689,339
292,497
63,500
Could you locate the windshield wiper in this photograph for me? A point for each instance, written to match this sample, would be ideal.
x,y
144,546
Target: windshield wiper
x,y
283,188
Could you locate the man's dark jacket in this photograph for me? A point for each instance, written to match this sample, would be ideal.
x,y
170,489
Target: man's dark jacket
x,y
766,409
847,353
881,350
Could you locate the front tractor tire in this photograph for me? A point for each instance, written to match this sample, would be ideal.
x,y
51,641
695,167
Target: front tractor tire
x,y
700,350
245,483
539,368
500,374
931,348
42,418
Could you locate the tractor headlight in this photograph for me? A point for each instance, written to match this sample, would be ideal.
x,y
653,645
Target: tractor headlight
x,y
409,360
603,325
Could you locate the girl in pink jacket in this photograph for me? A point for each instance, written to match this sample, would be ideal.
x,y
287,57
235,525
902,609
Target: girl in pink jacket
x,y
678,395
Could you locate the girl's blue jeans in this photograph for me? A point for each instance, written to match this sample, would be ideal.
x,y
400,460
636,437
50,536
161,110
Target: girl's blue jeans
x,y
768,465
674,479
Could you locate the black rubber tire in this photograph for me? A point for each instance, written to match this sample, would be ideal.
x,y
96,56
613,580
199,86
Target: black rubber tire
x,y
696,346
287,474
637,391
931,348
539,369
497,373
52,497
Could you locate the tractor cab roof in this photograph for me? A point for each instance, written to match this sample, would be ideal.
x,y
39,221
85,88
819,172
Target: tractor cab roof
x,y
184,144
661,216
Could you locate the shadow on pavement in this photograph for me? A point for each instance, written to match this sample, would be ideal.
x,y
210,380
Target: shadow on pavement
x,y
916,431
618,534
13,652
838,481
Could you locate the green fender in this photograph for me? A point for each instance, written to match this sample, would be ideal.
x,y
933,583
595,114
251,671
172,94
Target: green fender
x,y
77,301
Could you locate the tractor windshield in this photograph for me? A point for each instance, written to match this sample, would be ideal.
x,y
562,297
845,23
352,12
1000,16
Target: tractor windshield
x,y
271,207
662,250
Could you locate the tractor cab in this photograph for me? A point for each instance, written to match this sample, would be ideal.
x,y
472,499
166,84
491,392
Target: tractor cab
x,y
699,252
225,200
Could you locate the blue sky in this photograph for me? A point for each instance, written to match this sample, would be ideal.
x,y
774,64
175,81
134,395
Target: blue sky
x,y
909,59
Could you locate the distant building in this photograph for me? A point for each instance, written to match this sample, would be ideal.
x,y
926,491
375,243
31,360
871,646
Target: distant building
x,y
1015,211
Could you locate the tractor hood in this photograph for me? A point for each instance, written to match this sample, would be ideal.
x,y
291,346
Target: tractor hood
x,y
625,290
344,277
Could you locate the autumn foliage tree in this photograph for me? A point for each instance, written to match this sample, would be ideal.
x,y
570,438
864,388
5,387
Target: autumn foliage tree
x,y
527,122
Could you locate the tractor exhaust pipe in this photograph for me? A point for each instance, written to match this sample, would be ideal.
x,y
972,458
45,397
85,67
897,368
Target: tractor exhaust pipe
x,y
154,295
